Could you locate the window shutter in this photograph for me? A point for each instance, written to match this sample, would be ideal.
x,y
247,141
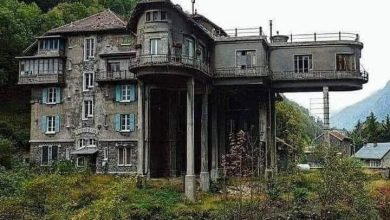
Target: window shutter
x,y
118,93
117,122
43,124
45,155
44,95
57,123
132,122
132,92
54,152
58,95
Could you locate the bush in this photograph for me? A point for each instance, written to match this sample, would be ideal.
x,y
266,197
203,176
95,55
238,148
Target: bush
x,y
6,150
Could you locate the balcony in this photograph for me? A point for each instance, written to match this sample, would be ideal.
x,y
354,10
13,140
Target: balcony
x,y
238,72
106,76
315,80
169,61
41,78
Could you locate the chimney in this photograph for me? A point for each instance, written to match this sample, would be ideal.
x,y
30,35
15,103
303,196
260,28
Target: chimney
x,y
193,6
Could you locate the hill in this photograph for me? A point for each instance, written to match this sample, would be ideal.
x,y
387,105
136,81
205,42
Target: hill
x,y
378,103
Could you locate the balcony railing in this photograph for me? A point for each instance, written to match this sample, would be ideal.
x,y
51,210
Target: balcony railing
x,y
159,60
115,76
320,75
41,78
256,71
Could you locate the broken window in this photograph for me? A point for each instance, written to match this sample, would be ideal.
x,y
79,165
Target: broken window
x,y
245,59
345,62
303,63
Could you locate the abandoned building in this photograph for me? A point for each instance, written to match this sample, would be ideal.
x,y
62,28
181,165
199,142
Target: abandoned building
x,y
157,95
337,139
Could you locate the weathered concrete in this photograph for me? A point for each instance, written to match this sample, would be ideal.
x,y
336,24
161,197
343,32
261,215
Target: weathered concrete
x,y
190,175
204,174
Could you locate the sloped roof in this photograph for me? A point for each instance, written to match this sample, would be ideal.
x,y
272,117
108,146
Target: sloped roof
x,y
102,21
373,151
198,18
339,135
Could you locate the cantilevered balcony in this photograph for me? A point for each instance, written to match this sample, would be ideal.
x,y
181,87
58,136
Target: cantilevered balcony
x,y
171,62
47,77
115,76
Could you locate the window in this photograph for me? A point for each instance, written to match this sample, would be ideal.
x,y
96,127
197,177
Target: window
x,y
125,122
51,124
126,96
126,93
303,63
49,44
87,109
105,153
41,66
345,62
80,162
245,59
148,18
124,156
156,16
51,95
88,81
188,48
49,155
155,46
86,142
163,16
375,163
67,154
114,67
89,48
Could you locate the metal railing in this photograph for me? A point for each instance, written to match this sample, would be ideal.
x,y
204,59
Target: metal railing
x,y
339,36
150,60
256,71
41,78
320,74
115,75
245,32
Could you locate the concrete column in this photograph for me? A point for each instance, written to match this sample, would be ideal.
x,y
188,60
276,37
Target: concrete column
x,y
271,132
326,115
204,174
214,139
190,176
147,131
172,132
140,129
222,125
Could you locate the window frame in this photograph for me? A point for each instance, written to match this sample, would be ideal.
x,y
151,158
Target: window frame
x,y
52,91
125,93
88,109
89,48
253,58
296,63
49,154
156,45
184,52
50,124
78,162
351,55
88,81
125,118
126,157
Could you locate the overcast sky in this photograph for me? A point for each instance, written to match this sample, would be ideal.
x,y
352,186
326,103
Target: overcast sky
x,y
368,18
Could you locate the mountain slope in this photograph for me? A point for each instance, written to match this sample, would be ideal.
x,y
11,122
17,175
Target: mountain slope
x,y
379,103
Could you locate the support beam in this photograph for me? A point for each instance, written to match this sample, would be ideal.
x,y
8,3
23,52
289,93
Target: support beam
x,y
140,155
204,174
147,131
190,176
214,140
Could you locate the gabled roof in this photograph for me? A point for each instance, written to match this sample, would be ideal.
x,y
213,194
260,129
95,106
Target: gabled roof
x,y
341,136
373,151
200,18
102,21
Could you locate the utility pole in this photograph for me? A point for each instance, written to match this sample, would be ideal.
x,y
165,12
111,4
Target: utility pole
x,y
193,7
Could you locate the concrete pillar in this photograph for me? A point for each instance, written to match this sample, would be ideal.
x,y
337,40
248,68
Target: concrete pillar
x,y
172,132
204,174
326,115
222,125
271,165
147,131
214,139
140,129
190,185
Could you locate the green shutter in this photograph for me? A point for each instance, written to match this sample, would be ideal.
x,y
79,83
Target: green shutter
x,y
57,125
43,124
132,92
132,122
44,95
117,122
118,93
58,95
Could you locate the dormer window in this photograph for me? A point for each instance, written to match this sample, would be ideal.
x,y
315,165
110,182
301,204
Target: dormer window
x,y
51,44
156,16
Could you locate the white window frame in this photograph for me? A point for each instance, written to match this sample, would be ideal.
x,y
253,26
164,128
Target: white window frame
x,y
67,154
86,142
51,96
125,122
125,93
49,154
88,81
78,161
125,151
105,153
154,46
308,57
50,124
375,163
89,43
87,109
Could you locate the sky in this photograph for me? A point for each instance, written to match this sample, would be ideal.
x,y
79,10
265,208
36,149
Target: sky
x,y
367,18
